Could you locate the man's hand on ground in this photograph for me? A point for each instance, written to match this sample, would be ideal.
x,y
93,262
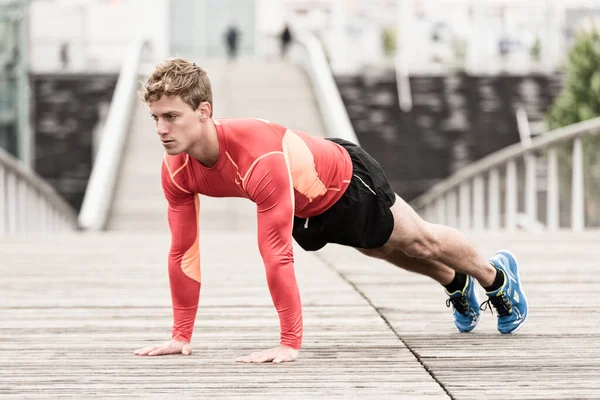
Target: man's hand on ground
x,y
170,347
276,355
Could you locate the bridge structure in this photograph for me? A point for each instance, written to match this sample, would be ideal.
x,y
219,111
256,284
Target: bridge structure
x,y
80,291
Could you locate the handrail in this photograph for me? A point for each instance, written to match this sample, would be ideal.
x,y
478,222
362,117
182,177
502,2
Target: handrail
x,y
333,110
459,200
503,156
98,196
28,203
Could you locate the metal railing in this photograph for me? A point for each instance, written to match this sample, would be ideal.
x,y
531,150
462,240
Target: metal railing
x,y
98,196
474,198
28,203
313,60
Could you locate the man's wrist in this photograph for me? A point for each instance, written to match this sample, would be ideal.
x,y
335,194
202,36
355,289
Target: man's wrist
x,y
181,338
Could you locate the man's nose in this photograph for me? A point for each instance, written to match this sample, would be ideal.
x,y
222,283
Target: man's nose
x,y
161,128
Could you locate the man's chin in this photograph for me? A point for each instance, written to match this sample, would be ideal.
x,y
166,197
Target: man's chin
x,y
172,151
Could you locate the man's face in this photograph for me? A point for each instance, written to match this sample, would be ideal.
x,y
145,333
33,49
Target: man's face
x,y
177,125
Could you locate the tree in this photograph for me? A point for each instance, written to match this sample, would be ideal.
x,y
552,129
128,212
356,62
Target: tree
x,y
536,50
388,36
580,101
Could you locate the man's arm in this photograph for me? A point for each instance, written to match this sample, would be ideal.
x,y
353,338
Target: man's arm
x,y
269,185
183,265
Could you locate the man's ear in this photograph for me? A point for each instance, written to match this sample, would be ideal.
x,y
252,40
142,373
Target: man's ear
x,y
205,111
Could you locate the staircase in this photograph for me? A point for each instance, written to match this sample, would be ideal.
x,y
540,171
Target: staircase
x,y
278,92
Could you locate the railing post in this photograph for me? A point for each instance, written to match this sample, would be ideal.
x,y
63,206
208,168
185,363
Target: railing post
x,y
47,217
41,218
478,203
11,202
530,188
465,206
21,206
429,213
31,212
451,217
3,202
510,190
53,219
440,205
577,197
494,200
552,204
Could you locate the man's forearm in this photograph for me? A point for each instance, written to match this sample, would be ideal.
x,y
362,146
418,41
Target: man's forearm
x,y
286,298
185,295
183,323
184,267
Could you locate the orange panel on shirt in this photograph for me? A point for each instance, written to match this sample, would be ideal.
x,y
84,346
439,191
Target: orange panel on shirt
x,y
302,167
190,262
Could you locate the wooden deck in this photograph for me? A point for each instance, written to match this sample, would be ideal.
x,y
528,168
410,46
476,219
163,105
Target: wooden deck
x,y
74,307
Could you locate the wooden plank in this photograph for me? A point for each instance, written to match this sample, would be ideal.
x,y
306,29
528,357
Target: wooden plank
x,y
554,355
74,307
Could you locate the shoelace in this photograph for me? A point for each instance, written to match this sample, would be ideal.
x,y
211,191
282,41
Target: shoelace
x,y
500,302
460,304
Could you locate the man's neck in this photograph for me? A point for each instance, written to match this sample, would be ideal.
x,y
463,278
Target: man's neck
x,y
207,150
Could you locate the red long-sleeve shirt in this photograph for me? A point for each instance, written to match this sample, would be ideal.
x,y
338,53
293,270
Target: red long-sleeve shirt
x,y
285,173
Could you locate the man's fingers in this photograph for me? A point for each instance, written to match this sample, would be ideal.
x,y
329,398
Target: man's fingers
x,y
158,352
164,350
145,350
161,351
264,358
249,358
261,358
170,347
277,355
257,357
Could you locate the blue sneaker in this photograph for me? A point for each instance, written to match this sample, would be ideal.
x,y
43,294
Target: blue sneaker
x,y
465,306
509,301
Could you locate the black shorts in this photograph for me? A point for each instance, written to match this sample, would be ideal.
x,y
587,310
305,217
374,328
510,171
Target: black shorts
x,y
361,217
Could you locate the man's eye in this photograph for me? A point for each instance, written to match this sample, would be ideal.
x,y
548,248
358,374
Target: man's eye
x,y
170,117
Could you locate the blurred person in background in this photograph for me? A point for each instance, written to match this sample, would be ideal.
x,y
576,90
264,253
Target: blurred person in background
x,y
231,41
64,55
285,38
310,189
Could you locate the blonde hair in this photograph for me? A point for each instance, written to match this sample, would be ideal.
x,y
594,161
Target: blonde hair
x,y
178,77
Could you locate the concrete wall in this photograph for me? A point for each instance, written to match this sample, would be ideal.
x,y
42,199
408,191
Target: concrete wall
x,y
455,120
67,111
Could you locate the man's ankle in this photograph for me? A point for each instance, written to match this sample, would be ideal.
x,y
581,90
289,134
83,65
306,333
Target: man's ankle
x,y
498,281
457,284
